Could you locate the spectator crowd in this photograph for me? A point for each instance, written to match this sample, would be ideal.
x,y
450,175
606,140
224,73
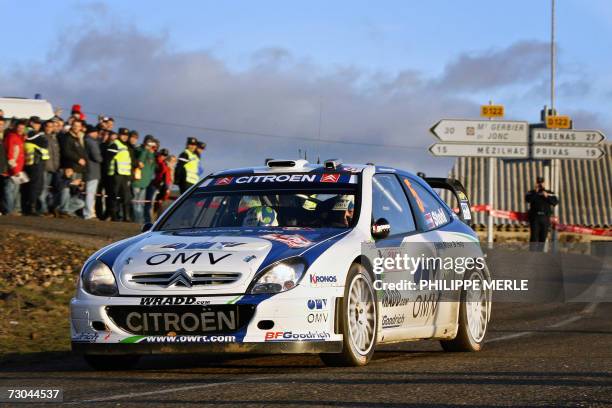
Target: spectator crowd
x,y
71,168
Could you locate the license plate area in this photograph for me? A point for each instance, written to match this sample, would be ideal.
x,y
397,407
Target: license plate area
x,y
181,320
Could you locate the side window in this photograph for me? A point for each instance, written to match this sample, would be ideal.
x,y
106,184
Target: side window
x,y
389,202
429,213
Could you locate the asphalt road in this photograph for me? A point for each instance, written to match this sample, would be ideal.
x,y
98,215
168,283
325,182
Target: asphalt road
x,y
539,354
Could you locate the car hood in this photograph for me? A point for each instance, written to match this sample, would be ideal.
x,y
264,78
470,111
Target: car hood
x,y
206,261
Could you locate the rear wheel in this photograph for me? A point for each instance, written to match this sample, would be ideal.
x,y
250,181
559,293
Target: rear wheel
x,y
106,363
474,311
358,321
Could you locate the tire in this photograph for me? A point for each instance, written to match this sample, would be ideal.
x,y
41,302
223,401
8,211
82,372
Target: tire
x,y
358,321
107,363
468,338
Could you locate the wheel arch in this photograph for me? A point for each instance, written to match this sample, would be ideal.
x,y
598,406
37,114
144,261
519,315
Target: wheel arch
x,y
365,262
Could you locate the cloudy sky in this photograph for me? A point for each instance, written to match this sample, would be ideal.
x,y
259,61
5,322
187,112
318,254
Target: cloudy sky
x,y
351,79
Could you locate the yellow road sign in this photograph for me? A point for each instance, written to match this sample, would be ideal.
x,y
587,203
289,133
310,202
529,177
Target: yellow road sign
x,y
558,122
492,111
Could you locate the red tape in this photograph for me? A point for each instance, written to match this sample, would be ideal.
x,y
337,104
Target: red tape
x,y
523,217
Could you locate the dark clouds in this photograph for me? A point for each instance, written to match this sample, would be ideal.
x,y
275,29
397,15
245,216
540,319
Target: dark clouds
x,y
520,63
118,70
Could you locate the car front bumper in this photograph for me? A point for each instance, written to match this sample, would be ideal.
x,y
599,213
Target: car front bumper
x,y
303,323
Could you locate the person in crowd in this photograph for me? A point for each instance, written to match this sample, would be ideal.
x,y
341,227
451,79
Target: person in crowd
x,y
172,162
77,113
186,173
109,123
132,146
34,125
102,122
62,167
36,155
143,175
3,161
104,184
72,148
71,187
49,198
14,176
163,178
151,193
107,180
73,157
120,172
200,151
94,160
541,202
59,125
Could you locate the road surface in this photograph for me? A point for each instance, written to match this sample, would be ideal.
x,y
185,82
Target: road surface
x,y
536,355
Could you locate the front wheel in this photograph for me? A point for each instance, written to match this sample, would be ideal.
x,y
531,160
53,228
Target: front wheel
x,y
358,321
474,310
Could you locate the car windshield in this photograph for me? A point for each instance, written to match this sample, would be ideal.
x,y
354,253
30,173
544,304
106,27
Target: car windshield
x,y
306,205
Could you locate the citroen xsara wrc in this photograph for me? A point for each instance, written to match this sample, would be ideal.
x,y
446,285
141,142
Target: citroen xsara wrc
x,y
282,259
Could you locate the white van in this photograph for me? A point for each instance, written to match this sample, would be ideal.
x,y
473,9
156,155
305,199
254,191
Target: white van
x,y
23,108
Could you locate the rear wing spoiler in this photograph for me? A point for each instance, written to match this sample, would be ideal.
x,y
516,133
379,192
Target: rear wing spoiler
x,y
458,191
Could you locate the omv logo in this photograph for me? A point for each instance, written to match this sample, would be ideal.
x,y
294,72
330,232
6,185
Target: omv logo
x,y
317,304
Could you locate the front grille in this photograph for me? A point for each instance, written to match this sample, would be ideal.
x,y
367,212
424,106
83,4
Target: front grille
x,y
181,320
184,278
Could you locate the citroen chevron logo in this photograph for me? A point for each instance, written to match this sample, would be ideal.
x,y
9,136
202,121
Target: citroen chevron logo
x,y
181,276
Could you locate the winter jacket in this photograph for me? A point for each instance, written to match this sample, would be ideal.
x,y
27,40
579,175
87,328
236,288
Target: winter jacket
x,y
163,174
3,160
71,152
147,158
14,147
94,158
53,164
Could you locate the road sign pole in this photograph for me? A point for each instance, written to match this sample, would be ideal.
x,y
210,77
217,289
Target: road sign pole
x,y
492,172
552,56
556,171
554,163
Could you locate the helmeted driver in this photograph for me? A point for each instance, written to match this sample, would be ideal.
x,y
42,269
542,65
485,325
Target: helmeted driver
x,y
262,216
346,204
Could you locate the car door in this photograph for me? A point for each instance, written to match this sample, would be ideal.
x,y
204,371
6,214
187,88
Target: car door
x,y
399,314
434,221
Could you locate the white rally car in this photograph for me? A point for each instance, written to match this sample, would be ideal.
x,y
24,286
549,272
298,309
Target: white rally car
x,y
282,259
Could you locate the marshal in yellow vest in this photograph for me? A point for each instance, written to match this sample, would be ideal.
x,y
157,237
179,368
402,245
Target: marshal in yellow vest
x,y
30,152
121,161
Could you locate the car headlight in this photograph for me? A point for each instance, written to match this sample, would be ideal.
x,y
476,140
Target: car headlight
x,y
279,277
98,279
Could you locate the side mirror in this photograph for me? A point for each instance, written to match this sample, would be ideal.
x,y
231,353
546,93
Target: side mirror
x,y
146,227
381,228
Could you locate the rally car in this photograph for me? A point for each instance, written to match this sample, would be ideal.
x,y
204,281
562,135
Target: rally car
x,y
283,259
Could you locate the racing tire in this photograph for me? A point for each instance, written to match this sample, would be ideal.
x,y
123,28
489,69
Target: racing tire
x,y
474,310
358,321
107,363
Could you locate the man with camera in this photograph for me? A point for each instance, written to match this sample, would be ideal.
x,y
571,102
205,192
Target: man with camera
x,y
541,202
